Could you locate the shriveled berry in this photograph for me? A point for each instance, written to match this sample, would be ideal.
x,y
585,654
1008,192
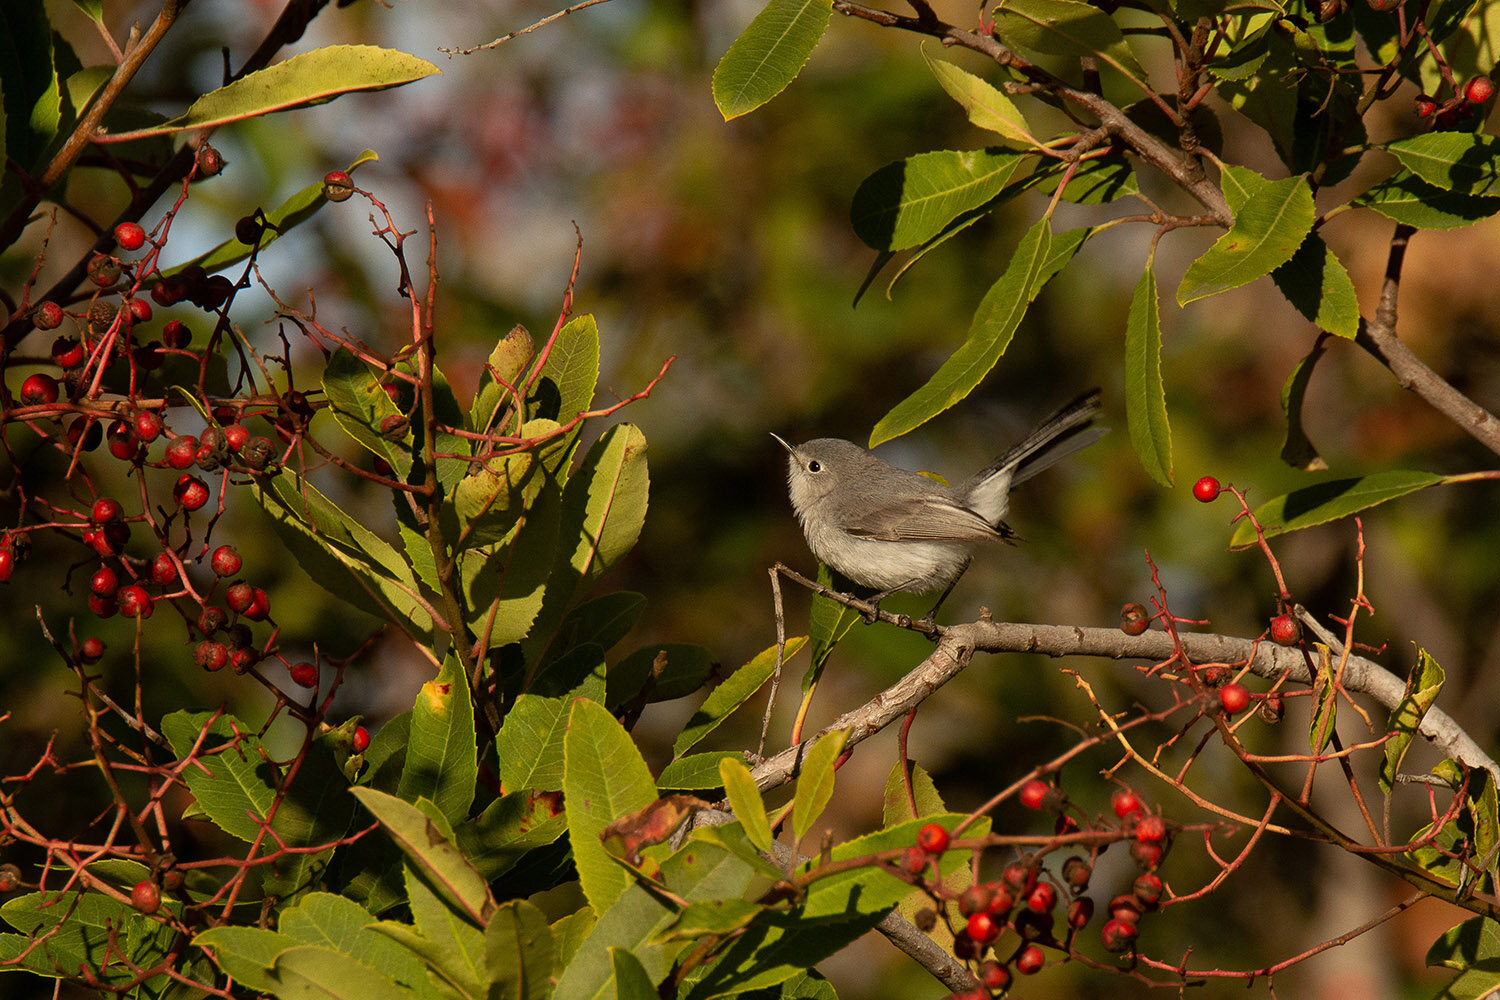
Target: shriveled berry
x,y
1080,912
1206,490
304,675
1118,936
163,569
209,161
248,229
225,561
1271,708
237,636
239,597
337,186
38,390
993,976
1030,961
48,316
147,426
1134,618
244,658
168,291
146,896
1125,908
103,270
191,493
130,236
257,453
104,582
1077,872
1284,630
1234,698
1148,889
211,655
91,650
1042,899
1001,902
1148,856
134,601
214,292
106,509
176,335
932,838
1021,878
182,451
67,352
914,861
982,928
10,878
211,619
360,740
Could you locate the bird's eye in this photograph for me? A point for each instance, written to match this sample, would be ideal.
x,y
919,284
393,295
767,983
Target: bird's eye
x,y
815,466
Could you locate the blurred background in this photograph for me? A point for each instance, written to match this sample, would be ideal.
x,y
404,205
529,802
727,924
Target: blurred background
x,y
729,247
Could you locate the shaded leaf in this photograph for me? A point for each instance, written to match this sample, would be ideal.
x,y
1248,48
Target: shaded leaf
x,y
912,200
1067,28
1318,284
737,688
431,853
1454,161
1411,201
518,953
1296,449
1330,501
1422,687
1145,395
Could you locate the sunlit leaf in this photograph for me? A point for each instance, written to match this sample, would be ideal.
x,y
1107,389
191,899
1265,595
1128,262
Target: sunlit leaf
x,y
1145,395
769,54
1330,501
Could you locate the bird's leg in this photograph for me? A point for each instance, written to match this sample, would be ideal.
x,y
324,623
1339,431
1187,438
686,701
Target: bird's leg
x,y
928,622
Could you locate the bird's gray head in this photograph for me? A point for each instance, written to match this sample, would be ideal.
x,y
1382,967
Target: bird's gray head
x,y
815,469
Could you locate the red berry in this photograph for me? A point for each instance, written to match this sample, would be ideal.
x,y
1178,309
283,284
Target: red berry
x,y
104,582
122,441
130,236
914,861
243,659
983,928
67,352
932,838
1425,106
104,607
225,561
360,740
106,509
175,335
239,597
1234,698
211,655
140,310
38,390
211,619
1001,901
48,316
1126,909
1030,961
1077,872
305,675
260,608
91,651
1134,619
1151,830
1124,802
7,564
134,601
147,426
1148,889
85,433
1019,877
337,186
1206,490
1148,856
1284,630
993,976
975,899
1080,912
1479,90
235,435
168,291
163,569
145,897
1118,936
1042,898
209,160
190,492
181,451
1034,794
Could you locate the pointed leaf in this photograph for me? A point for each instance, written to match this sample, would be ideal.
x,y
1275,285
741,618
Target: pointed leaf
x,y
507,362
360,404
897,809
1296,449
1145,396
1454,161
744,799
1411,201
530,744
604,777
994,325
1318,284
510,827
1067,28
1475,943
315,77
1325,703
518,953
815,783
987,107
632,982
431,853
736,689
769,54
909,201
1267,231
695,771
573,366
1422,687
1330,501
308,971
441,756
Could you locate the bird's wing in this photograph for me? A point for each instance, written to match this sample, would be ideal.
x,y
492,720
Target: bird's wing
x,y
932,519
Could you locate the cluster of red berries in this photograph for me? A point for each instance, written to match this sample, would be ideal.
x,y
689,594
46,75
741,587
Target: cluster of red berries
x,y
1026,896
1474,95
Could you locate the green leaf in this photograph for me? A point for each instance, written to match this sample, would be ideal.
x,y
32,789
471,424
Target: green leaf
x,y
1318,284
518,953
313,972
604,777
1330,501
1475,943
1067,28
685,669
994,325
441,756
987,107
311,78
453,965
828,623
530,744
632,982
912,200
326,920
1320,727
431,853
1422,687
507,589
896,808
283,219
745,801
1095,181
360,404
92,9
573,366
63,931
711,917
234,785
695,771
736,689
510,827
509,359
246,953
1267,231
1296,449
1411,201
1454,161
815,783
1145,395
769,54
